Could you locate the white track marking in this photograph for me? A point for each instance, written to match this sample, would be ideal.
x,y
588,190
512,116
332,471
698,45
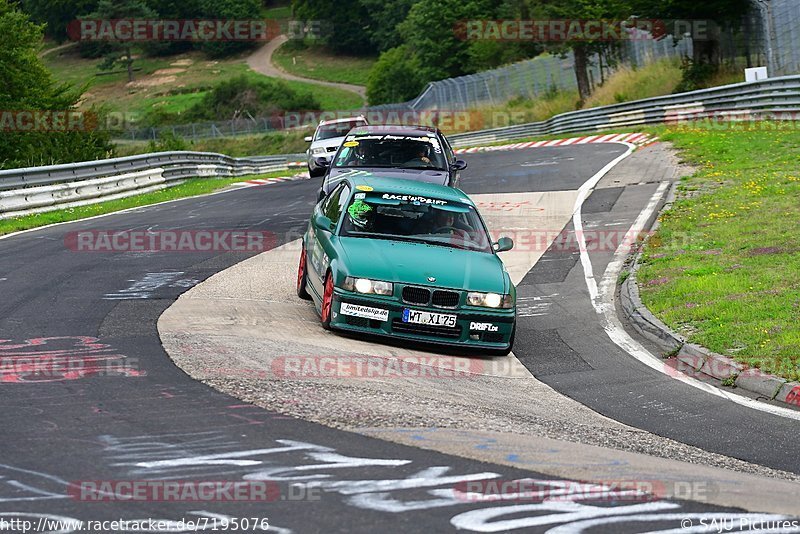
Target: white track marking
x,y
583,193
603,301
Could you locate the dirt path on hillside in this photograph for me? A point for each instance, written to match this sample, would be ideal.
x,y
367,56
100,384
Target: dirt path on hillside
x,y
261,61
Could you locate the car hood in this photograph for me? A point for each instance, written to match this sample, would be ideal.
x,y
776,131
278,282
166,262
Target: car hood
x,y
327,143
430,176
413,263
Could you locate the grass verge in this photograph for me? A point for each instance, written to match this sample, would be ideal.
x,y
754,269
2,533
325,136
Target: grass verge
x,y
281,142
723,267
319,64
170,84
190,188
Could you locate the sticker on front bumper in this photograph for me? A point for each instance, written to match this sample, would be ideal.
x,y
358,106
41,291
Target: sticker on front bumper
x,y
423,317
365,312
483,327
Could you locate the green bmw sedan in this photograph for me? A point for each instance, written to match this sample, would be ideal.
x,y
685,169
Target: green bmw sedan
x,y
410,260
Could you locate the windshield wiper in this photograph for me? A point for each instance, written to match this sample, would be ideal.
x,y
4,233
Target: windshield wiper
x,y
420,168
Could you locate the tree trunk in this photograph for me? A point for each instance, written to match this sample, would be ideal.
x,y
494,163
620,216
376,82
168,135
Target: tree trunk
x,y
706,51
129,63
581,55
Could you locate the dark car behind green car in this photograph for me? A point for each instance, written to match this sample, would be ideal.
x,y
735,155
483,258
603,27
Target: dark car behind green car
x,y
409,260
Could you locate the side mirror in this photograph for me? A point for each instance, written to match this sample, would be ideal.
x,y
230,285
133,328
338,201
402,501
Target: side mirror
x,y
503,244
322,163
459,164
308,139
323,222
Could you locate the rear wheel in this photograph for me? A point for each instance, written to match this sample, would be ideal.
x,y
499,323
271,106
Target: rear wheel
x,y
302,277
327,302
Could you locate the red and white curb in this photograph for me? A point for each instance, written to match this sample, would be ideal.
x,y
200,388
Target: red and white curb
x,y
267,181
638,139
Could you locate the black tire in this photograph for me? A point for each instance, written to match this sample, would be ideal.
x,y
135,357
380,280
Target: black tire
x,y
302,276
315,174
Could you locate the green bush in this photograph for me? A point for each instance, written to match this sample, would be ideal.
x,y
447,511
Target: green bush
x,y
244,97
695,75
167,142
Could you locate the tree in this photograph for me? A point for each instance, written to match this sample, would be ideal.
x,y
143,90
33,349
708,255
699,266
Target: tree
x,y
430,34
381,28
705,49
347,19
27,85
228,10
583,48
57,14
120,52
395,77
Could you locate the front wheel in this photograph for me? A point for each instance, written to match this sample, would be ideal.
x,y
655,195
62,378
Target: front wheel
x,y
327,303
302,277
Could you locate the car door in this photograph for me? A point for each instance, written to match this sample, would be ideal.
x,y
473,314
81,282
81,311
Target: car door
x,y
322,249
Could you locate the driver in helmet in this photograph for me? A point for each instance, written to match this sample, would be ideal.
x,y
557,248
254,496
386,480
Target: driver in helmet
x,y
422,156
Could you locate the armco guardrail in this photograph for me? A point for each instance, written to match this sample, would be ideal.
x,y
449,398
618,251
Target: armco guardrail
x,y
40,189
741,101
45,188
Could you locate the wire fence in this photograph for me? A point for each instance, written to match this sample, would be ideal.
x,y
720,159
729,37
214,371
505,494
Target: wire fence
x,y
779,29
769,35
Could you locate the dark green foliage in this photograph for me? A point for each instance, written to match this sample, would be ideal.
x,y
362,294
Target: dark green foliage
x,y
396,77
57,14
243,98
695,75
25,84
228,10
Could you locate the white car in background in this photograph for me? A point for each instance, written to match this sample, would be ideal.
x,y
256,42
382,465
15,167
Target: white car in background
x,y
326,140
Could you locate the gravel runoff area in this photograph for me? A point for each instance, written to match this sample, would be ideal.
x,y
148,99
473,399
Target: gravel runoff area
x,y
228,331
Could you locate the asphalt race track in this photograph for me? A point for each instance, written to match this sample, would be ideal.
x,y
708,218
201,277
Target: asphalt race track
x,y
135,416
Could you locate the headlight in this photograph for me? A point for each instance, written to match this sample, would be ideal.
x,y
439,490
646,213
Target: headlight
x,y
367,286
489,300
318,150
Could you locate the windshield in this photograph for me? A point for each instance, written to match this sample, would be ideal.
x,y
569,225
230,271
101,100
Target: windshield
x,y
404,152
414,218
337,129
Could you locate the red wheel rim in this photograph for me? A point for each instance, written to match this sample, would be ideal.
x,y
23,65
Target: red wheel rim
x,y
327,298
301,270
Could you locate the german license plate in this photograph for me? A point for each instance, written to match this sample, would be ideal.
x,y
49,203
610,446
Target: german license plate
x,y
423,317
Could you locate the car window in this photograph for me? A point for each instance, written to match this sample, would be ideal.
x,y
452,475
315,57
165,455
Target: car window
x,y
451,156
391,151
414,218
337,129
334,204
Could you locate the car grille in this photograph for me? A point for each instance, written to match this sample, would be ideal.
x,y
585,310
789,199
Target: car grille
x,y
333,148
426,329
416,295
445,299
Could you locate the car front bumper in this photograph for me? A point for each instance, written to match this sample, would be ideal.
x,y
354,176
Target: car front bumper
x,y
476,328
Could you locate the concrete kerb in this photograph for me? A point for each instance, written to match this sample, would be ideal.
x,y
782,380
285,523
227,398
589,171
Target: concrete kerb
x,y
689,358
